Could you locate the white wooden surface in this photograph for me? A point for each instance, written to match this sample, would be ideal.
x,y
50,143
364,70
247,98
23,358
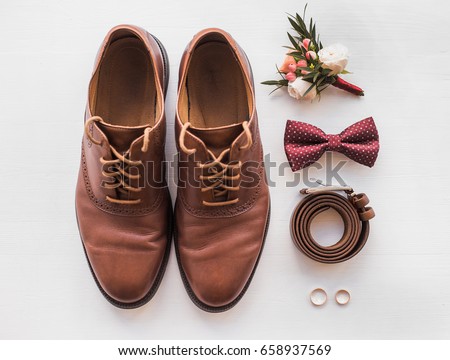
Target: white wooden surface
x,y
399,283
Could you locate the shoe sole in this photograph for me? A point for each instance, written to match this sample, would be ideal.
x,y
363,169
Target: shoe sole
x,y
163,266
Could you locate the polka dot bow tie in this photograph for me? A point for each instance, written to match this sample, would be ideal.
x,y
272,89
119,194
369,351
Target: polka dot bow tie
x,y
304,143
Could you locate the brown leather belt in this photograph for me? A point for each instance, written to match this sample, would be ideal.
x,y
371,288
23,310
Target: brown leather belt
x,y
354,213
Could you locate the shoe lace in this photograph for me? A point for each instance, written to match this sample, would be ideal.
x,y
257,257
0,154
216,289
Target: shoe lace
x,y
216,171
118,168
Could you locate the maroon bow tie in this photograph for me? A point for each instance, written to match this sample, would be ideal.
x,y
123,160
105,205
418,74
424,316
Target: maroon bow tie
x,y
304,143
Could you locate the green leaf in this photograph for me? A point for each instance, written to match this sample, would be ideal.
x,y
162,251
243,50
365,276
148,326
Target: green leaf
x,y
319,44
301,24
278,71
271,82
278,87
320,81
316,76
345,72
309,89
295,26
298,54
326,71
288,47
292,40
322,87
309,76
282,82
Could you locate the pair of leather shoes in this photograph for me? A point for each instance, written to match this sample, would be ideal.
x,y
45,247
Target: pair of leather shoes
x,y
123,204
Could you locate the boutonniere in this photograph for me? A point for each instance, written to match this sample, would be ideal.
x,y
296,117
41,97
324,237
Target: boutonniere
x,y
309,67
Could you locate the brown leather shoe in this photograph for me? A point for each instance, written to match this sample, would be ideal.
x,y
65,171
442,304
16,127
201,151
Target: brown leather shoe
x,y
122,201
222,208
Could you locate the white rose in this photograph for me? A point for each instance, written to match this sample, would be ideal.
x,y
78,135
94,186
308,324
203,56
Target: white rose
x,y
334,57
298,87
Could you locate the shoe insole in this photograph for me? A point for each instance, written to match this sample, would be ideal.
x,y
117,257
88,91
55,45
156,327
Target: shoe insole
x,y
126,92
215,87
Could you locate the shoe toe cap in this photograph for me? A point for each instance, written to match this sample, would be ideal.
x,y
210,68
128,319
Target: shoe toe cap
x,y
215,291
127,273
217,280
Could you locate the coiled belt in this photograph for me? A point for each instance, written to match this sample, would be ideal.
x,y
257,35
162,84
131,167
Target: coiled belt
x,y
353,211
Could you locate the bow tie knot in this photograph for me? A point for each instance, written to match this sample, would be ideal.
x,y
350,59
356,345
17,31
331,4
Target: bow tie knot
x,y
305,143
334,142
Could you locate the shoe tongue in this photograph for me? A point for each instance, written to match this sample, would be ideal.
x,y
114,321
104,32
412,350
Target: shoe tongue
x,y
121,137
218,139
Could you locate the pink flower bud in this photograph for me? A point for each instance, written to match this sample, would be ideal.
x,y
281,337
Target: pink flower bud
x,y
305,43
302,63
284,68
304,72
292,67
290,76
311,55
